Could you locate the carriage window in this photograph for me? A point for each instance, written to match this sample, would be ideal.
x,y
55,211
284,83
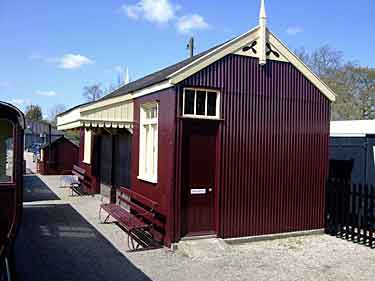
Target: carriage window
x,y
199,103
6,151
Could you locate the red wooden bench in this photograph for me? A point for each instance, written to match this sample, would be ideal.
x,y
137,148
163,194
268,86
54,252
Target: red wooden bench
x,y
141,216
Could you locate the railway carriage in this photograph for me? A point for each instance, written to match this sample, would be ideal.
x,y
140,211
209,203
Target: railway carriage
x,y
12,124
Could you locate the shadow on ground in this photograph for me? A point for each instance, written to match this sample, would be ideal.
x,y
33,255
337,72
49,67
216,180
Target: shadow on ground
x,y
36,190
57,243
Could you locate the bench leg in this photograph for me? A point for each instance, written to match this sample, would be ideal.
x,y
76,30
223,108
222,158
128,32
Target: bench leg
x,y
100,216
100,211
130,242
106,219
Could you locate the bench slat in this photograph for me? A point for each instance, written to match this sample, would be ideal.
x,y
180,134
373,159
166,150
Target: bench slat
x,y
79,169
148,202
126,219
81,177
148,215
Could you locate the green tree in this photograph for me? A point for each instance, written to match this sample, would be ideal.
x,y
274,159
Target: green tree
x,y
34,112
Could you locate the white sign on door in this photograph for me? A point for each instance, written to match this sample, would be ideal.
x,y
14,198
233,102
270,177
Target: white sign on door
x,y
198,191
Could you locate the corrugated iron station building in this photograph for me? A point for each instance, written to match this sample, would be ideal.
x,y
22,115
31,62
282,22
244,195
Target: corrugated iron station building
x,y
351,151
231,142
58,157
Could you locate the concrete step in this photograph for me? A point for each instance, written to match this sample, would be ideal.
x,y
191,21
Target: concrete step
x,y
209,248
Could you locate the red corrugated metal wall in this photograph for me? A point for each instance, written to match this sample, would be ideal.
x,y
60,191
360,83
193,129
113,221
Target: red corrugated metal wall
x,y
274,147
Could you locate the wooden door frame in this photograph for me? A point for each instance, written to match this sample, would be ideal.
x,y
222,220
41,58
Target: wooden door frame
x,y
175,213
181,175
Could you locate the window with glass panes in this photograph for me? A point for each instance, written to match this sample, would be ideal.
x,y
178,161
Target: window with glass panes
x,y
201,103
148,152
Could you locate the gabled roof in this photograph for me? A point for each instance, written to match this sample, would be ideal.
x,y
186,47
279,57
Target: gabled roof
x,y
156,77
172,75
182,70
58,140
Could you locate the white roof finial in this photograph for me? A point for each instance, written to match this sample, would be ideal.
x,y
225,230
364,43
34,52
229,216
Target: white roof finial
x,y
262,14
263,33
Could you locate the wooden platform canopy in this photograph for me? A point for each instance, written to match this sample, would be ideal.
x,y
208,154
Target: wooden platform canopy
x,y
115,114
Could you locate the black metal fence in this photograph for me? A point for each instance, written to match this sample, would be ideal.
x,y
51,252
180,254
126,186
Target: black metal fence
x,y
350,211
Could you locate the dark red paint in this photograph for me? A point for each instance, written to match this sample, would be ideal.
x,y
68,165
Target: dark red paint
x,y
271,152
11,194
162,191
64,154
199,161
273,147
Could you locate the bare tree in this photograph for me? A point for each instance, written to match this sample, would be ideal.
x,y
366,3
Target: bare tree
x,y
54,111
353,84
324,61
92,93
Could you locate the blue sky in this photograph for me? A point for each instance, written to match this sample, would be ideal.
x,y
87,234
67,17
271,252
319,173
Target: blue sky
x,y
50,49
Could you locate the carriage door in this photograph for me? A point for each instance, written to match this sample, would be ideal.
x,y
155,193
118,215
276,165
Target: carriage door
x,y
198,184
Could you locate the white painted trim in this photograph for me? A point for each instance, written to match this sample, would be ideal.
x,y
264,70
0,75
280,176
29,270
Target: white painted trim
x,y
69,126
302,67
152,89
148,179
271,56
213,56
142,139
87,147
235,44
106,102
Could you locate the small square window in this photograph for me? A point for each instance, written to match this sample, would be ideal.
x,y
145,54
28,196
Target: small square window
x,y
200,103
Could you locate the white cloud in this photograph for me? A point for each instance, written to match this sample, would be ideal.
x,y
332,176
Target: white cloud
x,y
158,11
46,93
294,30
188,23
71,61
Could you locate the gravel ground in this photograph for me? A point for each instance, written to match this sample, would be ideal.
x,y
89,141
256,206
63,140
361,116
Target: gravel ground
x,y
61,239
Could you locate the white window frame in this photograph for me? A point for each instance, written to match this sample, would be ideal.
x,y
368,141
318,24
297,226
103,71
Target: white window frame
x,y
217,116
145,165
87,147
